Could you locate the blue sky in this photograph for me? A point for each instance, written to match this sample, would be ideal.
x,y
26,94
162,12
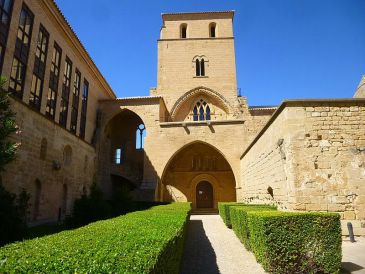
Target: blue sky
x,y
284,48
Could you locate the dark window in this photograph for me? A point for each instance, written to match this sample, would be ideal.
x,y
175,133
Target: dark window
x,y
195,114
16,83
140,135
85,95
202,68
35,97
66,86
43,150
183,31
197,67
212,30
37,199
53,81
5,14
17,76
75,101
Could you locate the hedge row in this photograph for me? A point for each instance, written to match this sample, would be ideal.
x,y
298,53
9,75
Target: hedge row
x,y
288,242
238,215
225,213
149,241
291,242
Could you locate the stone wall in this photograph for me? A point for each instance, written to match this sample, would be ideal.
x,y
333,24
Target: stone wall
x,y
311,153
62,178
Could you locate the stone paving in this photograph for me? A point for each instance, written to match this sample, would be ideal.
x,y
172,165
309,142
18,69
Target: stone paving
x,y
212,248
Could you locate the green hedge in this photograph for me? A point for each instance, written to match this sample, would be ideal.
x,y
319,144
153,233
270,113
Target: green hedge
x,y
238,215
292,242
224,210
149,241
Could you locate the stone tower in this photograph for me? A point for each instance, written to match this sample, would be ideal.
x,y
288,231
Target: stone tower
x,y
196,50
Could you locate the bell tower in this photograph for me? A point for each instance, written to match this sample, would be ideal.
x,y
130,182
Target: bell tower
x,y
196,50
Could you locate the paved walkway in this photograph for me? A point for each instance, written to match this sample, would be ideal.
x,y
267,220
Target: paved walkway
x,y
353,256
212,248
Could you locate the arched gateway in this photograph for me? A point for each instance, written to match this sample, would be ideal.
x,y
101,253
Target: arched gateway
x,y
200,174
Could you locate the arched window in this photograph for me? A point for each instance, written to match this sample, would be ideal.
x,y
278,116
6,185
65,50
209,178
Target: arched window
x,y
43,150
201,111
212,30
200,67
183,31
67,155
37,199
140,135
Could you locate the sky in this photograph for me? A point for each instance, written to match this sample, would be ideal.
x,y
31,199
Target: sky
x,y
285,49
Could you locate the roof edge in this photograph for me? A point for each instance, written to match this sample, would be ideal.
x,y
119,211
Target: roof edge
x,y
298,102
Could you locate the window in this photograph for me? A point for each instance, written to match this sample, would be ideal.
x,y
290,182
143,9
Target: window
x,y
66,86
200,67
118,156
64,199
53,81
85,94
67,155
43,150
35,98
17,76
5,13
140,135
37,199
212,30
201,111
75,101
183,31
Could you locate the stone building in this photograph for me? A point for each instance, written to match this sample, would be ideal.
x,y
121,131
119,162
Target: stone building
x,y
194,138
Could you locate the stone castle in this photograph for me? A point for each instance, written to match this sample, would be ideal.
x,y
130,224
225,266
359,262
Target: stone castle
x,y
193,139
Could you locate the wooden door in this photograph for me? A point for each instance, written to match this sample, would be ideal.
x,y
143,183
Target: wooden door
x,y
204,195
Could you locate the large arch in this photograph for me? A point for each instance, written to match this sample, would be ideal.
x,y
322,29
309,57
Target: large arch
x,y
194,163
122,156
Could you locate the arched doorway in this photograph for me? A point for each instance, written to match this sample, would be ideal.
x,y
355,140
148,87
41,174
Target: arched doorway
x,y
198,168
204,195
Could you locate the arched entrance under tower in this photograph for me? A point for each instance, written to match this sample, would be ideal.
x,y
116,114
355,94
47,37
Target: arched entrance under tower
x,y
200,174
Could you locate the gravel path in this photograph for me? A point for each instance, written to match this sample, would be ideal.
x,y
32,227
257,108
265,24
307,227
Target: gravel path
x,y
213,248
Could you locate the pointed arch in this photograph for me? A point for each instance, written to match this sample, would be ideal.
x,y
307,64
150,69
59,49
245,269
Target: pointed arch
x,y
188,96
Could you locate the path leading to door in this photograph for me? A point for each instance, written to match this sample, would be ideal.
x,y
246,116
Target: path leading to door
x,y
213,248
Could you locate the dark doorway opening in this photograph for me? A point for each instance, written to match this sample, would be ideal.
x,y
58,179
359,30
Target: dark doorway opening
x,y
204,195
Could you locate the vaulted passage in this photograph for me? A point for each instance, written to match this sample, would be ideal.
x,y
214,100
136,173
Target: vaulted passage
x,y
200,174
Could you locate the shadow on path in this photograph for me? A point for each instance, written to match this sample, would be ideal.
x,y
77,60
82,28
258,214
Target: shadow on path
x,y
199,256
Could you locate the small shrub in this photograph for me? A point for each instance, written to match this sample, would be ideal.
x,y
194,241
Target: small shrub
x,y
293,242
149,241
225,213
13,212
238,216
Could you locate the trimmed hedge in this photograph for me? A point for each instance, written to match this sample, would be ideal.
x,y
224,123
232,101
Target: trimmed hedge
x,y
149,241
238,215
225,213
293,242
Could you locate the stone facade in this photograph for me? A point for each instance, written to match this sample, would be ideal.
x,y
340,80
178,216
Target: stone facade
x,y
193,139
60,170
310,156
